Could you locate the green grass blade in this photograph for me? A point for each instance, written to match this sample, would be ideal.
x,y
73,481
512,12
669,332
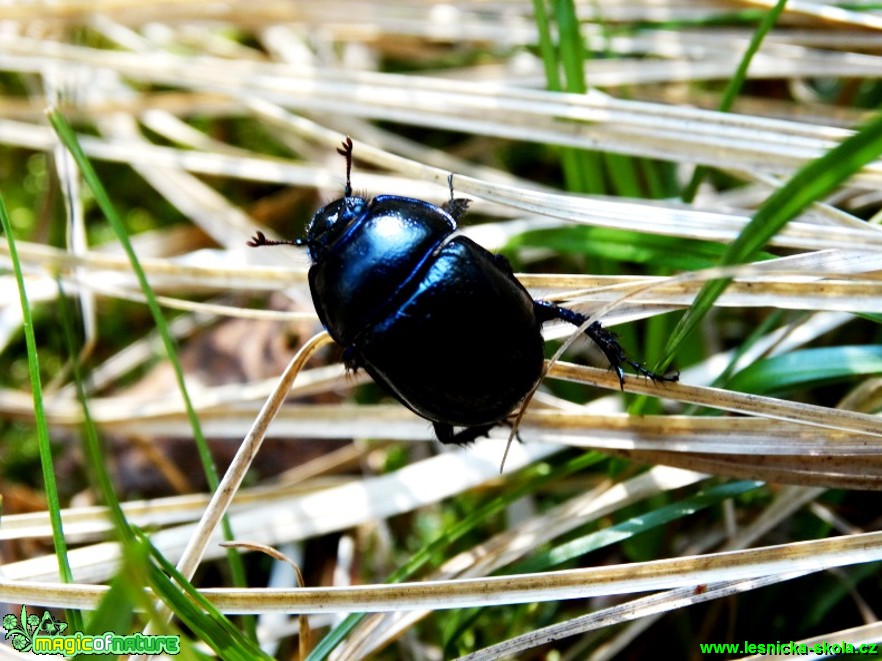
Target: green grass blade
x,y
625,530
117,609
572,46
546,45
199,614
733,87
68,138
808,367
92,449
767,325
615,534
126,606
49,485
583,169
812,182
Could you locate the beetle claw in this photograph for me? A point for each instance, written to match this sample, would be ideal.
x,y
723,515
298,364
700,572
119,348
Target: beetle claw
x,y
621,374
259,240
605,339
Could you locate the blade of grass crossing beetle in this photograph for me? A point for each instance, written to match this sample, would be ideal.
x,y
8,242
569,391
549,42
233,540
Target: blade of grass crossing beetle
x,y
815,180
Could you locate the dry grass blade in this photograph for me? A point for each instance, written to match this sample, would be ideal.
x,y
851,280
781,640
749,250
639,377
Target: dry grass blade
x,y
815,555
209,122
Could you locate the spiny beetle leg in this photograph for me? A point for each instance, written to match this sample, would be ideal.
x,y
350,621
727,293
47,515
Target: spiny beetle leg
x,y
445,433
605,339
351,359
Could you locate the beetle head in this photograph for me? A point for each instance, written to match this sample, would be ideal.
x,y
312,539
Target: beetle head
x,y
330,223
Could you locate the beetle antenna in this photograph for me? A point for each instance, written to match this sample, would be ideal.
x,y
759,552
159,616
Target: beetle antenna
x,y
346,152
259,239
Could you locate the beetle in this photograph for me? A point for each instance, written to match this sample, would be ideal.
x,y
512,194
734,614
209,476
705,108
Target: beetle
x,y
443,324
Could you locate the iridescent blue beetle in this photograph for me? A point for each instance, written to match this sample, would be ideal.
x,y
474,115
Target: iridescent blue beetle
x,y
433,317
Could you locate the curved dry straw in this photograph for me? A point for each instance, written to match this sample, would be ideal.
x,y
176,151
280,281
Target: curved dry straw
x,y
232,479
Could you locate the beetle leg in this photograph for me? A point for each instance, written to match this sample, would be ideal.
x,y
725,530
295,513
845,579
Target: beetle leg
x,y
455,206
605,339
351,359
444,432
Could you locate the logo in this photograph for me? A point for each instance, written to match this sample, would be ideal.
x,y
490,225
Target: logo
x,y
46,635
23,632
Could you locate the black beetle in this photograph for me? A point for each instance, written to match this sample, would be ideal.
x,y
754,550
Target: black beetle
x,y
438,320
